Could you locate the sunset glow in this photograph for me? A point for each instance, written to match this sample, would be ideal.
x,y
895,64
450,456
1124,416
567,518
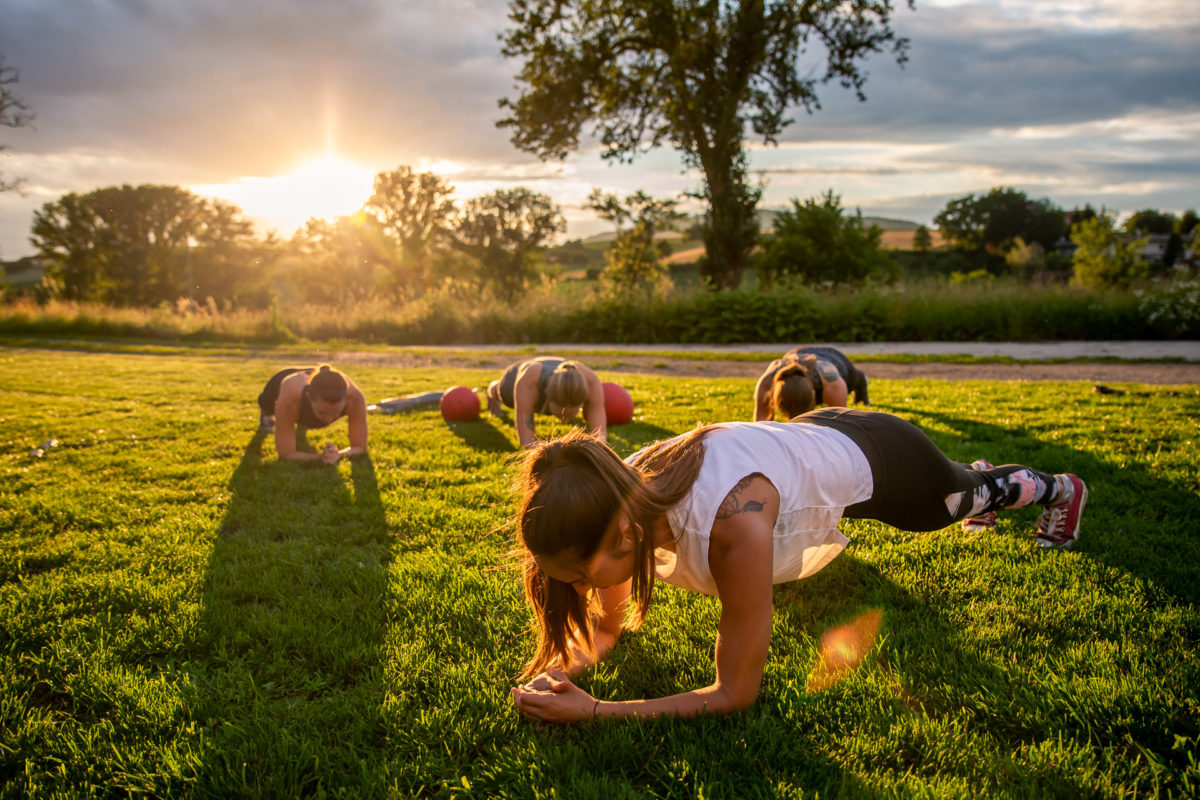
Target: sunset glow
x,y
325,187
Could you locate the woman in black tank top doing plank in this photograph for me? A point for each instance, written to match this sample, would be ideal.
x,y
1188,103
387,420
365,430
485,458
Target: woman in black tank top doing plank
x,y
313,397
549,385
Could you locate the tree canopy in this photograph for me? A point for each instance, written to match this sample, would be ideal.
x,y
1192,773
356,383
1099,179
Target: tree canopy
x,y
632,263
993,221
922,240
1151,220
505,231
338,261
414,210
141,245
699,76
13,113
1104,257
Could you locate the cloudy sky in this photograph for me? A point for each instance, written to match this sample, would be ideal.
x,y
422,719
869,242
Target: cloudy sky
x,y
289,107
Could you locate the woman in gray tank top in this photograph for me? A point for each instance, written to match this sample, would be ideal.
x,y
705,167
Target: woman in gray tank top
x,y
549,385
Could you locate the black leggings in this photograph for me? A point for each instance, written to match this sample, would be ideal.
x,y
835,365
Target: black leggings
x,y
914,481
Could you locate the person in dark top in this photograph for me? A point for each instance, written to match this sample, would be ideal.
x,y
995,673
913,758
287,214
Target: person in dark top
x,y
804,378
313,397
549,385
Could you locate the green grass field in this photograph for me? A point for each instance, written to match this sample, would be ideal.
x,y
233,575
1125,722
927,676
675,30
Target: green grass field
x,y
183,615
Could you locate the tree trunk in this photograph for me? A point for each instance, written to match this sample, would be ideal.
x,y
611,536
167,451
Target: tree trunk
x,y
731,230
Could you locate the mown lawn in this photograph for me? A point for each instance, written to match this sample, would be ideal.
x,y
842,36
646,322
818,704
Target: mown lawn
x,y
183,615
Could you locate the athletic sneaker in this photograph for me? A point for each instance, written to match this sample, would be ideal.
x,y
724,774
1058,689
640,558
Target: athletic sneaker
x,y
266,422
980,522
1059,525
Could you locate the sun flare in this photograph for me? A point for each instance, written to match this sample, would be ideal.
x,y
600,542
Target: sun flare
x,y
324,187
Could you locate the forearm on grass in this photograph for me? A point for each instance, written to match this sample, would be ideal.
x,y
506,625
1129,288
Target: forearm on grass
x,y
714,699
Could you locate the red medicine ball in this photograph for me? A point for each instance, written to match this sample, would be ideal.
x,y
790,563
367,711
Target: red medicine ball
x,y
459,404
618,405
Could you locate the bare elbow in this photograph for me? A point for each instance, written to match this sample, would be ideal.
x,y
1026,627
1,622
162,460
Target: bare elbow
x,y
743,702
737,699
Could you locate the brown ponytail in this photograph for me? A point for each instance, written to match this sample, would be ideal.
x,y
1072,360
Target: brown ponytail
x,y
571,489
792,391
328,384
566,386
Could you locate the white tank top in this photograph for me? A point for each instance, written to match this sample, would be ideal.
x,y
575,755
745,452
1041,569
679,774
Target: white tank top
x,y
817,471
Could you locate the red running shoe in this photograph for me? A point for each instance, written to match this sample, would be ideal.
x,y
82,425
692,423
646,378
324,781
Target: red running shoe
x,y
1059,525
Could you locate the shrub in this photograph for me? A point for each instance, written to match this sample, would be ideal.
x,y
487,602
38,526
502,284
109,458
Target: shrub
x,y
633,266
1175,312
816,244
1104,257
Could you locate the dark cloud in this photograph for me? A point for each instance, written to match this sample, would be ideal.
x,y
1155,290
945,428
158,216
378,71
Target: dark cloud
x,y
971,70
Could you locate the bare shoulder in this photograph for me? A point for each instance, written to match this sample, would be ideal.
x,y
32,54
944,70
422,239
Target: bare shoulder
x,y
742,537
355,396
293,386
529,370
753,503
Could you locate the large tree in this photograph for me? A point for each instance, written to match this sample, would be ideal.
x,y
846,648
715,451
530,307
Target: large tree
x,y
141,245
340,261
1150,221
693,74
13,113
413,209
504,232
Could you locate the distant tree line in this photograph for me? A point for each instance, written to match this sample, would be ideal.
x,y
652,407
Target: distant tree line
x,y
1034,236
144,245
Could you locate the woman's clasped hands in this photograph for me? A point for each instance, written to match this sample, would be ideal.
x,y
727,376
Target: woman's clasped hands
x,y
552,697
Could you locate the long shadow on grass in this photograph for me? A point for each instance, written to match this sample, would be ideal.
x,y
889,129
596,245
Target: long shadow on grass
x,y
289,671
482,435
1136,521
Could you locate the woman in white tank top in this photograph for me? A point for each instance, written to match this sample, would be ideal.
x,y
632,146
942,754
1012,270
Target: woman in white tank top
x,y
728,510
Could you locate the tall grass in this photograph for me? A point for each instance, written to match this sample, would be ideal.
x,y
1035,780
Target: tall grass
x,y
929,310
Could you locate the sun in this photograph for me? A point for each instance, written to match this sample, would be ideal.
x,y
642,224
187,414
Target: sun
x,y
324,187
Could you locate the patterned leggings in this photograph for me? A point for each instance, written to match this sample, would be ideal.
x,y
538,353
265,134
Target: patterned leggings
x,y
917,488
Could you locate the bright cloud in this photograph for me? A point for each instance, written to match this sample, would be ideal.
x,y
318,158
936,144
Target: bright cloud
x,y
325,187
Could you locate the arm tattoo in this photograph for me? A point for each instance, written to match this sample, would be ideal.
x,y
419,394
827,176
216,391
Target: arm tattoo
x,y
828,372
528,421
733,503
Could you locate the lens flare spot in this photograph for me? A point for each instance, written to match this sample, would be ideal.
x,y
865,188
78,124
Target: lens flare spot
x,y
843,648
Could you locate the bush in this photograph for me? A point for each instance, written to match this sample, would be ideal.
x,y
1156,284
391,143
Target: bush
x,y
1104,257
986,310
814,243
1175,311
